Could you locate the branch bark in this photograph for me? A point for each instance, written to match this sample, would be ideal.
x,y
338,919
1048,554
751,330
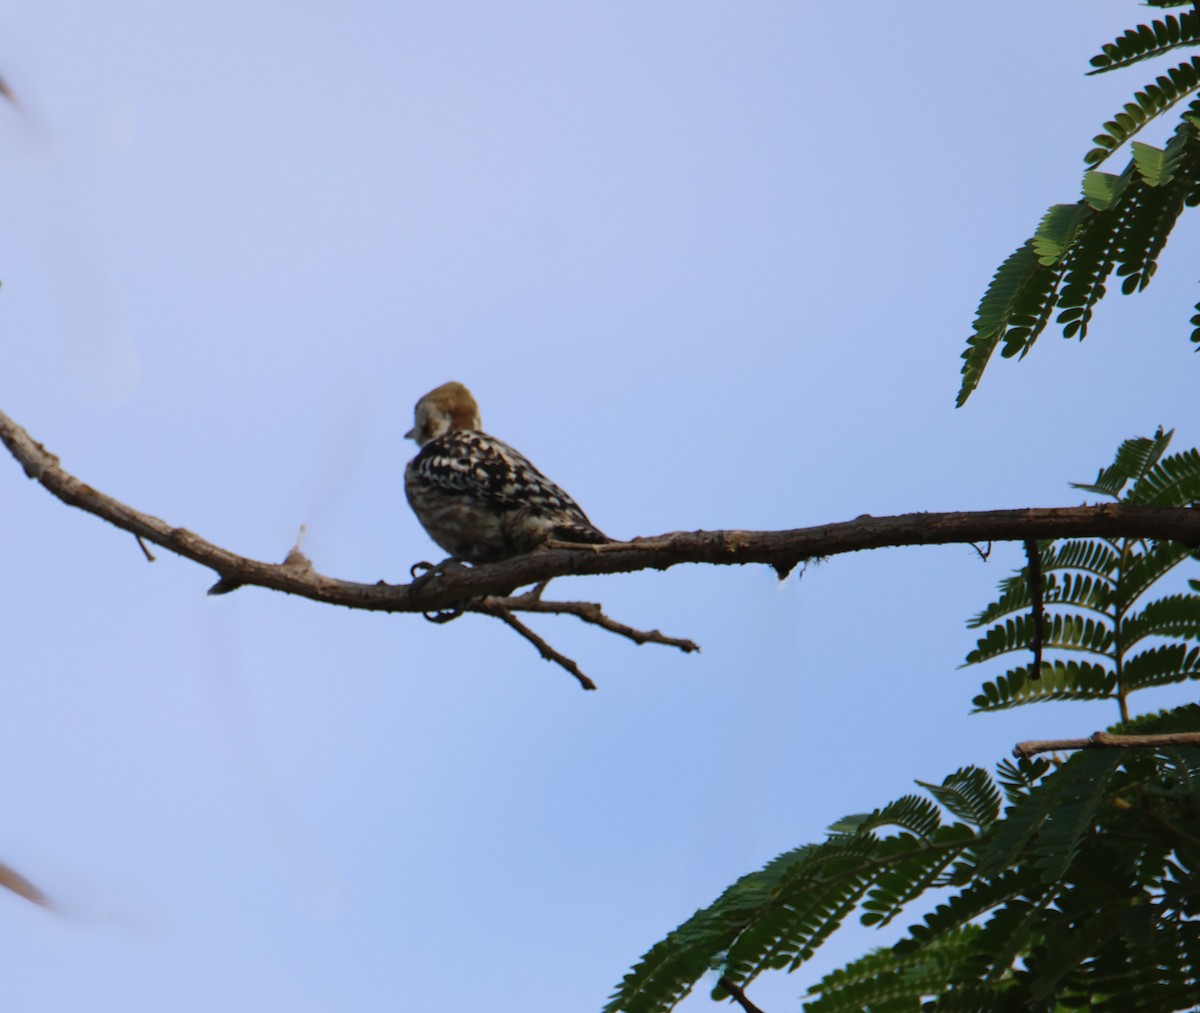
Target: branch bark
x,y
1103,740
783,550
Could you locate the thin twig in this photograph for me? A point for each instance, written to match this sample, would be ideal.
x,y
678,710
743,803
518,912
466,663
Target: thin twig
x,y
1037,615
12,880
735,990
544,649
1103,740
592,612
149,555
983,553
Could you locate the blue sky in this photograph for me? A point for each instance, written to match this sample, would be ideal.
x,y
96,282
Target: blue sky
x,y
709,265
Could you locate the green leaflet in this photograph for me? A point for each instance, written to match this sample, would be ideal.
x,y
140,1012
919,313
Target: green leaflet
x,y
777,917
1153,100
1034,813
1060,680
1143,567
1085,891
968,794
1102,189
1015,307
1147,41
1160,666
1122,223
1160,166
886,976
1093,556
913,813
1176,616
1017,778
963,910
1134,459
1161,203
909,878
1075,805
1087,267
1176,482
1056,231
1068,632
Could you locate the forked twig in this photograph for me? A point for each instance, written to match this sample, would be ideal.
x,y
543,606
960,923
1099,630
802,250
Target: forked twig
x,y
488,607
984,553
592,612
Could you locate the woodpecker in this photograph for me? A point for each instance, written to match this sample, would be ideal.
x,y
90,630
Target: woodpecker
x,y
479,499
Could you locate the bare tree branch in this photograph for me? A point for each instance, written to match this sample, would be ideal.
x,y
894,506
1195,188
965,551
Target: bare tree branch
x,y
589,612
445,592
739,996
447,588
1103,740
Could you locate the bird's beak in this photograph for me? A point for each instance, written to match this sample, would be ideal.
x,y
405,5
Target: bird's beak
x,y
411,434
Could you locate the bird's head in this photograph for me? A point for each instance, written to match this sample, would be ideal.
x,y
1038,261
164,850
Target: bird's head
x,y
447,407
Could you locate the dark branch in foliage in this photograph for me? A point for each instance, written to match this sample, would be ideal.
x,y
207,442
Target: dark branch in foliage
x,y
1104,740
1037,615
739,996
1096,609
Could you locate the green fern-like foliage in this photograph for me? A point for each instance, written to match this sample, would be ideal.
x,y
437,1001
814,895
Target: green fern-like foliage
x,y
1083,892
1045,887
1106,626
777,917
1121,224
1147,41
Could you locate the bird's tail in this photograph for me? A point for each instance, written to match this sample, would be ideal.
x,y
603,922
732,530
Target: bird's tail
x,y
585,534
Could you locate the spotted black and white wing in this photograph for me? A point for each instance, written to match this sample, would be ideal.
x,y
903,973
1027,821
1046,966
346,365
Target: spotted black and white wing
x,y
481,500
